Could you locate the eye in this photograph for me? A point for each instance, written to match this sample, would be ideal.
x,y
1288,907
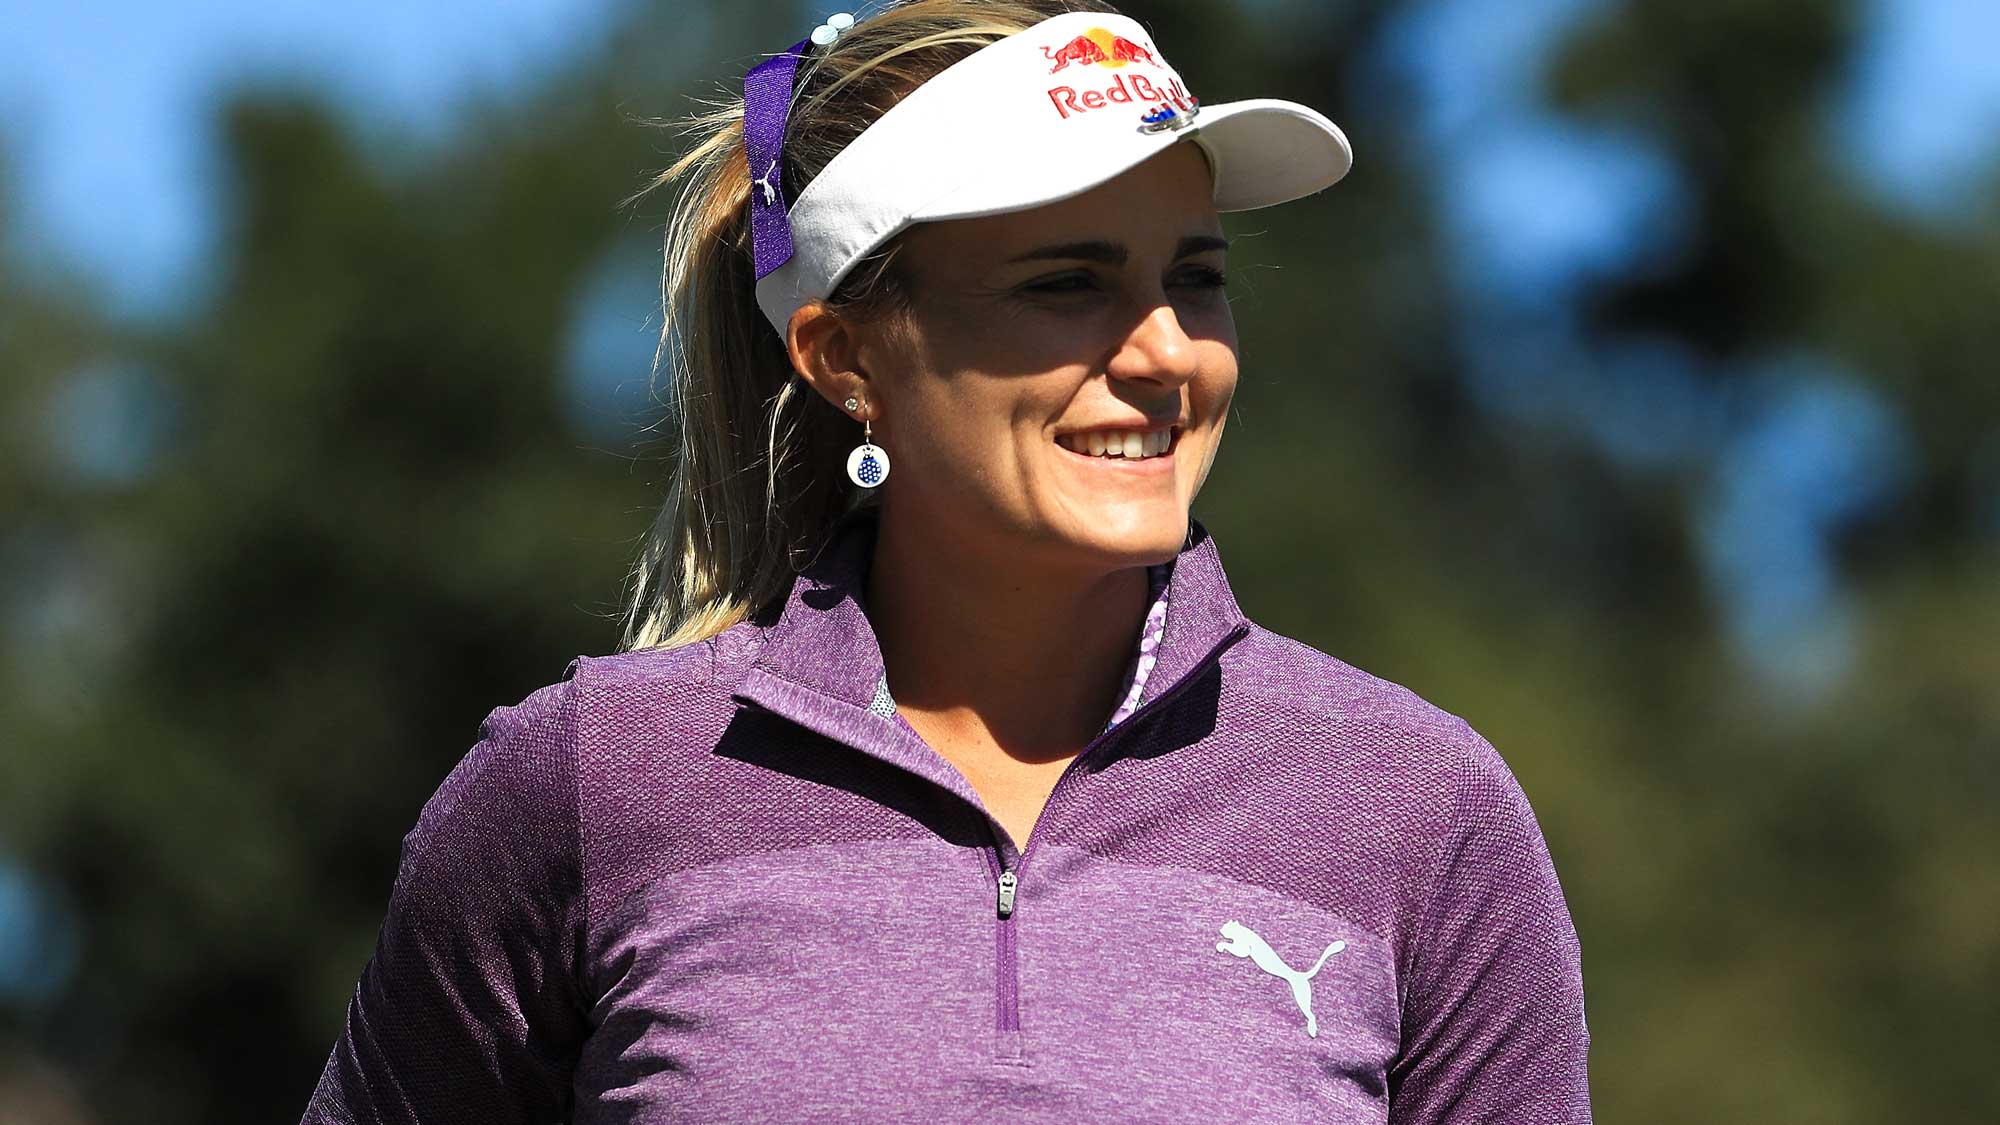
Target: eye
x,y
1075,281
1201,277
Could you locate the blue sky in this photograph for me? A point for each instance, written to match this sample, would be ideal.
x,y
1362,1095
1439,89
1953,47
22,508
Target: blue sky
x,y
105,105
1923,112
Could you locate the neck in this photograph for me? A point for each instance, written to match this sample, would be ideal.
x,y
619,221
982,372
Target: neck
x,y
997,649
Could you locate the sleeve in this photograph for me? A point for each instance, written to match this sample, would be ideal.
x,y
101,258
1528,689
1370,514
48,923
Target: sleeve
x,y
1493,1025
470,1009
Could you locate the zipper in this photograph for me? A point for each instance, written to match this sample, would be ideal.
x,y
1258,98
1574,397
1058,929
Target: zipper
x,y
1006,975
1007,880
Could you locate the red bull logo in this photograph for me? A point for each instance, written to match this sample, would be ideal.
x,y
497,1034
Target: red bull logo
x,y
1098,46
1124,50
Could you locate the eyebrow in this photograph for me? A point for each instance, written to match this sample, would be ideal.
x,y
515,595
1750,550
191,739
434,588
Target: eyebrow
x,y
1114,254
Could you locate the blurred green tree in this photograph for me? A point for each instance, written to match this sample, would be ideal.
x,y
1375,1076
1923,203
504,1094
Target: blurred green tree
x,y
368,524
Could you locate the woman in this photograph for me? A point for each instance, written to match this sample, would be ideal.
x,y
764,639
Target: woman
x,y
964,784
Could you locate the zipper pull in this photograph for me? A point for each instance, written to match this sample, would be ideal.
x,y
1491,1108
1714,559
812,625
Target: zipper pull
x,y
1007,884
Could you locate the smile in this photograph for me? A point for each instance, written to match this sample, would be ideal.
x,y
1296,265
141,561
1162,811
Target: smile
x,y
1125,445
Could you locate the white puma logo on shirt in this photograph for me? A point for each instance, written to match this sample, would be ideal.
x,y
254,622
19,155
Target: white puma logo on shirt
x,y
1243,941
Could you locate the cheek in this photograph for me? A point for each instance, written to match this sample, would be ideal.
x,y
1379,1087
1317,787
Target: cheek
x,y
1217,383
956,429
976,419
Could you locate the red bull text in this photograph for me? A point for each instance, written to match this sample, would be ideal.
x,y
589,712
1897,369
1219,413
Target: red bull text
x,y
1125,89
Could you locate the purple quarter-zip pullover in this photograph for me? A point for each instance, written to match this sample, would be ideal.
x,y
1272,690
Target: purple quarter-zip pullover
x,y
713,884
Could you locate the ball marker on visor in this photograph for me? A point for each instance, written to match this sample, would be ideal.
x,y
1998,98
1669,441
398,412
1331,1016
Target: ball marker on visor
x,y
1062,107
1164,119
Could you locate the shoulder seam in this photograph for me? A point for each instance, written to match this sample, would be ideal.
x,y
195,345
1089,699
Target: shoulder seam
x,y
574,748
1436,877
1447,724
709,655
1363,718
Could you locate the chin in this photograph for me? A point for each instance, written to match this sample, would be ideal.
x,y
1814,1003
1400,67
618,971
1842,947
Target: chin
x,y
1138,538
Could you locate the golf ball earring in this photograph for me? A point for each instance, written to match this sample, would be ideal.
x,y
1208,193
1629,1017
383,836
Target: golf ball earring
x,y
868,465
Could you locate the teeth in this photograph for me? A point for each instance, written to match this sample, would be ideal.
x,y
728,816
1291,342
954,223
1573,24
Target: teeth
x,y
1132,445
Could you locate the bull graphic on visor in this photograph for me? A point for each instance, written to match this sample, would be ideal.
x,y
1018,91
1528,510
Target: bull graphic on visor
x,y
1101,47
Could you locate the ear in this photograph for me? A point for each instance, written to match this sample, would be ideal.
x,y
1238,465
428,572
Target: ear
x,y
826,352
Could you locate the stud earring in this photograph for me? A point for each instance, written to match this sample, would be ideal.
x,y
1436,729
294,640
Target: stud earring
x,y
852,404
868,465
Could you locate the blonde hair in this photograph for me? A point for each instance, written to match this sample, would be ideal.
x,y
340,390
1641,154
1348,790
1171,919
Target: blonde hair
x,y
757,480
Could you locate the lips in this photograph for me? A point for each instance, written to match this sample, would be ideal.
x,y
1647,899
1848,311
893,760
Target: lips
x,y
1118,444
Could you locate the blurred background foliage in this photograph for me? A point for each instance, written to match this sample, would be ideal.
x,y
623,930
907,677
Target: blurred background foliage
x,y
1633,399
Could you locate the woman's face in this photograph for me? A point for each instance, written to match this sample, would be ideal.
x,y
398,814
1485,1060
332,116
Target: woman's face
x,y
1039,342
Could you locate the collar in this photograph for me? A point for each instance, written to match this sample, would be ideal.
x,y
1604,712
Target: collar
x,y
821,660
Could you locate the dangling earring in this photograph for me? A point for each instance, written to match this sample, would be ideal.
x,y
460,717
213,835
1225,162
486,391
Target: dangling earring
x,y
868,465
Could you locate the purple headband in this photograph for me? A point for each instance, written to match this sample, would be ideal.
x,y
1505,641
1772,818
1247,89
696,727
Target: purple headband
x,y
767,106
767,103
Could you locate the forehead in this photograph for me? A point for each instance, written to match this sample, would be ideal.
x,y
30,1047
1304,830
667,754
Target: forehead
x,y
1148,209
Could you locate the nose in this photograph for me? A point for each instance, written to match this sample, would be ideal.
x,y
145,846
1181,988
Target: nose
x,y
1157,350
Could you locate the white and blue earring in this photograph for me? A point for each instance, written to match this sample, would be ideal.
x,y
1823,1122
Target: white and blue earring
x,y
868,465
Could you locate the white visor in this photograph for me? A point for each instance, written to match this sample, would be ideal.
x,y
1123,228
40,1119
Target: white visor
x,y
1034,118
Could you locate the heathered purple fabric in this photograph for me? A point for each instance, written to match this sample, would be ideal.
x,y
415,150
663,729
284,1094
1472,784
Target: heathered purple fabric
x,y
710,884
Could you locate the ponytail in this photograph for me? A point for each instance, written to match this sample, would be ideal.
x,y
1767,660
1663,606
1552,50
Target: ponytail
x,y
755,486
